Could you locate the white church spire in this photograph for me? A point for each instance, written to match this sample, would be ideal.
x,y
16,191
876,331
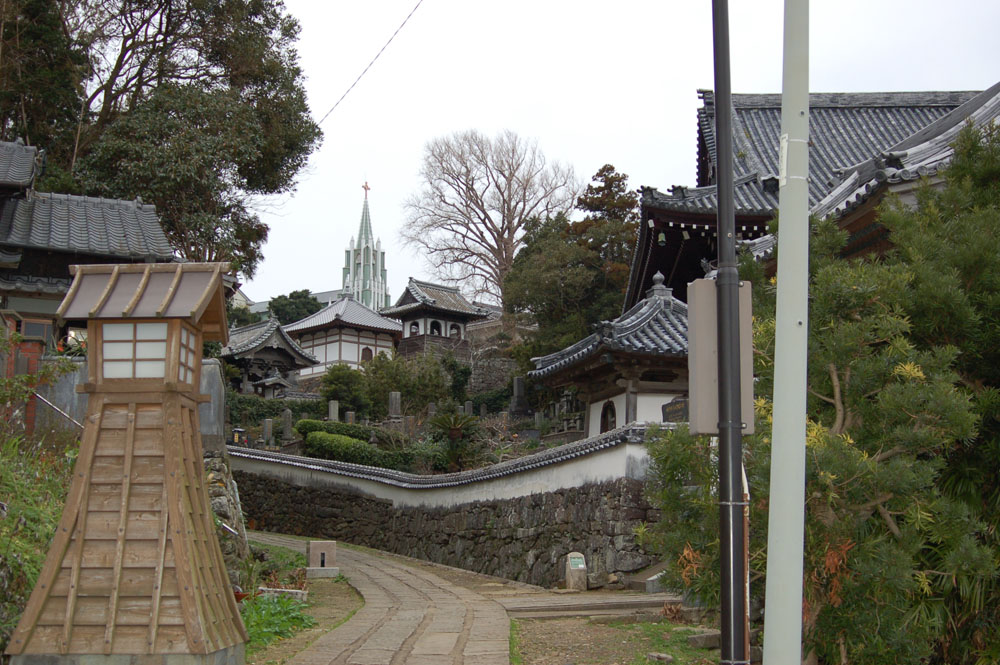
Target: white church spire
x,y
364,267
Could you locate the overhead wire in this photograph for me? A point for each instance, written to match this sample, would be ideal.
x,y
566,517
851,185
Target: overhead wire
x,y
419,2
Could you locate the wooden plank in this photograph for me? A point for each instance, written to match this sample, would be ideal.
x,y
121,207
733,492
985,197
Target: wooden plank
x,y
154,620
106,293
146,497
138,291
22,634
147,442
172,369
238,631
131,640
115,416
70,295
147,470
122,535
171,290
141,525
138,553
177,537
150,416
79,531
221,590
134,582
214,284
94,611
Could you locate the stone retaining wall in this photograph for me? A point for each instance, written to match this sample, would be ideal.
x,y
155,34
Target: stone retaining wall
x,y
524,538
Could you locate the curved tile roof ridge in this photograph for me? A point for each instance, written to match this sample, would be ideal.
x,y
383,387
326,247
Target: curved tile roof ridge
x,y
18,163
634,433
348,311
256,335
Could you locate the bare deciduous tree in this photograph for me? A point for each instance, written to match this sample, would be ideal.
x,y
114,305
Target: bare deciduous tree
x,y
478,193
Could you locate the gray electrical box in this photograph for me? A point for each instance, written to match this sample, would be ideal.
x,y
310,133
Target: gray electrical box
x,y
703,358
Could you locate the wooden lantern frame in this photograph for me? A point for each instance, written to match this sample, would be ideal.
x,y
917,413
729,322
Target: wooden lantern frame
x,y
135,573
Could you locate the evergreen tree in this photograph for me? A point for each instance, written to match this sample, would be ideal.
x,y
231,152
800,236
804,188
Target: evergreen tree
x,y
901,545
296,306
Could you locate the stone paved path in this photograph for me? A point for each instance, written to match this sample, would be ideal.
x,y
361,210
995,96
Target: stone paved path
x,y
410,616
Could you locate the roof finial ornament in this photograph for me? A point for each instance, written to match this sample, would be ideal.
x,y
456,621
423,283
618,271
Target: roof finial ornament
x,y
658,288
366,188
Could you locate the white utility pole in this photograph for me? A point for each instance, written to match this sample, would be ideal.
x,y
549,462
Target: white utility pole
x,y
786,513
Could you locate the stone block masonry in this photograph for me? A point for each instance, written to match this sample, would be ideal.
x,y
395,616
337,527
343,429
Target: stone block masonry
x,y
523,538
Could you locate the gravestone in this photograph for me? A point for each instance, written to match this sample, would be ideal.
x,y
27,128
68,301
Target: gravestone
x,y
333,410
431,410
349,417
518,403
539,417
482,410
576,572
410,425
268,435
322,558
286,425
468,407
395,405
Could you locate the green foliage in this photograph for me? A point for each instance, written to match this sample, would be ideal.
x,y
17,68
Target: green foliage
x,y
457,430
251,410
496,400
895,568
572,275
239,317
347,386
296,306
34,480
419,379
360,432
270,618
459,373
341,448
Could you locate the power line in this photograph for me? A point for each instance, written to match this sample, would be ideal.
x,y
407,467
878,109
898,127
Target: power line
x,y
419,2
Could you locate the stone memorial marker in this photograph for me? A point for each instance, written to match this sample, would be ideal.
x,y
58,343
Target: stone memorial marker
x,y
349,417
286,425
395,405
410,425
431,410
468,408
539,417
322,558
333,410
518,403
268,434
576,572
482,410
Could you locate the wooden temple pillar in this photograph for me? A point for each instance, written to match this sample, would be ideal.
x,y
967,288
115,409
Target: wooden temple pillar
x,y
134,575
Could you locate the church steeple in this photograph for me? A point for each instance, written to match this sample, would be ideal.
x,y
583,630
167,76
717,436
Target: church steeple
x,y
364,264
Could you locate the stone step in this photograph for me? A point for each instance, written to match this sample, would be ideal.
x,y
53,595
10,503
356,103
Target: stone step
x,y
585,604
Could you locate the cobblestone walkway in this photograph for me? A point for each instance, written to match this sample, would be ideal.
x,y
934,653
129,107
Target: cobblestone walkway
x,y
410,617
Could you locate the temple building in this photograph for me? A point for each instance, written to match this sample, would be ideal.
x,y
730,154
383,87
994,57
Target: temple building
x,y
364,266
435,319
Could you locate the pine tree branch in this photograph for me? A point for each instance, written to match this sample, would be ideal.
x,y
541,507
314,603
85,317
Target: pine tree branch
x,y
889,521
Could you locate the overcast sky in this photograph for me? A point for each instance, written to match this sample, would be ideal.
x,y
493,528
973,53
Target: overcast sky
x,y
593,82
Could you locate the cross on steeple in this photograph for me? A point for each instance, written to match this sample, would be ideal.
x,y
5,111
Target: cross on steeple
x,y
366,188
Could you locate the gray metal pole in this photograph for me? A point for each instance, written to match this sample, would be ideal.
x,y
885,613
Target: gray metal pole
x,y
731,503
786,513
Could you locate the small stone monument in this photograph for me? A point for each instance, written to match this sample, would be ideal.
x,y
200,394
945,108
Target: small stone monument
x,y
333,410
410,425
268,434
349,417
322,558
468,408
518,403
395,405
286,425
482,410
431,410
576,572
539,419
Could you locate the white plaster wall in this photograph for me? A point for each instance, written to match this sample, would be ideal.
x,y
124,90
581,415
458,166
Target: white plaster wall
x,y
649,407
626,460
595,413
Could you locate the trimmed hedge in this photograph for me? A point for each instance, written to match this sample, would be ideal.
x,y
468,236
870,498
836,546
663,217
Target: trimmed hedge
x,y
340,448
360,432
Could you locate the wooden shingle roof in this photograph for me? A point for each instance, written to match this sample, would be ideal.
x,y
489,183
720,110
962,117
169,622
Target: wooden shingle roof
x,y
192,291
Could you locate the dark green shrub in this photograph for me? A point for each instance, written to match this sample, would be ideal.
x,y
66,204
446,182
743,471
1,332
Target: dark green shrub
x,y
384,438
340,448
496,400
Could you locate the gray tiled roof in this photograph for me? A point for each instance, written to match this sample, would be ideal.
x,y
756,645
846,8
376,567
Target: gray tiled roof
x,y
921,155
85,225
255,336
345,312
844,129
632,433
420,295
657,325
33,284
17,164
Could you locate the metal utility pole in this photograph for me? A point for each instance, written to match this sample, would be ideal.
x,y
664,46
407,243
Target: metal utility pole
x,y
786,513
731,502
